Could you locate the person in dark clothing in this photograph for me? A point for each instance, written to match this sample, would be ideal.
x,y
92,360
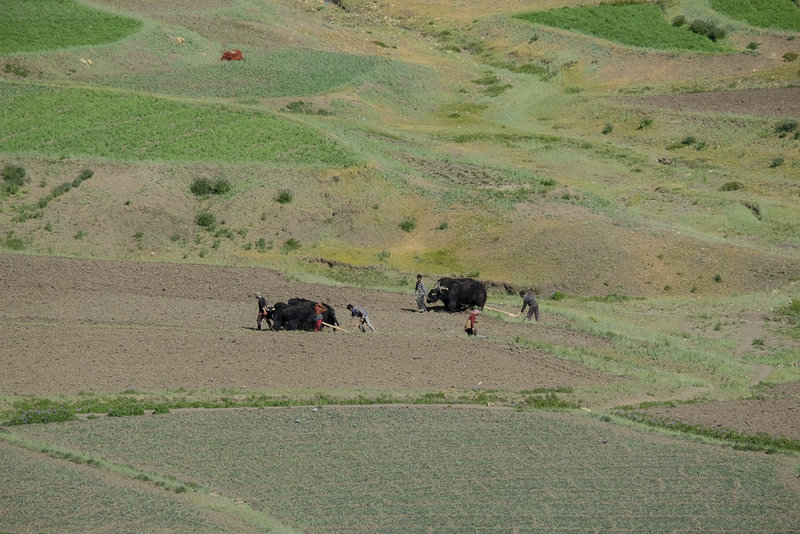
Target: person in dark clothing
x,y
262,309
529,300
420,291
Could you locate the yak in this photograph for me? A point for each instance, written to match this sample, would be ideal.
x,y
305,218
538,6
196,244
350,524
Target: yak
x,y
298,314
458,293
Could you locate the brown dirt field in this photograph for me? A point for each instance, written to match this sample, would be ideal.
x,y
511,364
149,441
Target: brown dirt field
x,y
783,103
779,416
74,325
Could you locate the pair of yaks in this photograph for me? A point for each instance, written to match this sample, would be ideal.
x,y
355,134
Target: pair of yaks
x,y
298,313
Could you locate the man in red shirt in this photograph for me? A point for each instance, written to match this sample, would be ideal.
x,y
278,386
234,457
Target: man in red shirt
x,y
319,309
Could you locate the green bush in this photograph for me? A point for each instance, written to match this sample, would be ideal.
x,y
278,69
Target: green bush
x,y
791,310
790,56
202,187
125,407
645,123
608,128
785,127
679,21
206,219
776,162
284,196
707,29
47,415
61,189
290,245
408,224
731,186
83,176
13,174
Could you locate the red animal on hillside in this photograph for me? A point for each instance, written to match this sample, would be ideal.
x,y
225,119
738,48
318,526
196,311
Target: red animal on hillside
x,y
232,55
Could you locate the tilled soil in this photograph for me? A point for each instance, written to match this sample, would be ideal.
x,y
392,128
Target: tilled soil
x,y
778,415
778,102
73,325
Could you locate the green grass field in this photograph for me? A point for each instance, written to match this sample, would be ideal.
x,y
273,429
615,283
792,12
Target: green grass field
x,y
36,25
402,469
779,14
124,126
641,25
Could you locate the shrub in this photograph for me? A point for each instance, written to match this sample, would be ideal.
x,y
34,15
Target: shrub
x,y
284,196
608,128
688,140
790,56
17,69
718,278
125,407
61,189
13,174
290,245
776,162
791,310
408,224
201,187
444,225
206,219
221,186
679,21
645,123
707,29
82,177
785,127
300,106
731,186
752,45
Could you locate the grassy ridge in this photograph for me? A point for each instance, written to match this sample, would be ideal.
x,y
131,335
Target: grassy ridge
x,y
779,14
54,122
641,25
34,25
403,469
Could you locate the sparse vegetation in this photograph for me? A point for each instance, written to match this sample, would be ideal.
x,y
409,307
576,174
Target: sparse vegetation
x,y
408,224
13,178
206,219
284,196
205,187
290,245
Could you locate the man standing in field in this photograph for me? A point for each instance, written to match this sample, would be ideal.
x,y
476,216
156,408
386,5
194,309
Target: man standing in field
x,y
362,315
420,291
262,309
529,300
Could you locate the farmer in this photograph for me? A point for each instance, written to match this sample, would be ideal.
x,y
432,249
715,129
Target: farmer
x,y
420,291
363,317
262,309
529,300
469,328
319,309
